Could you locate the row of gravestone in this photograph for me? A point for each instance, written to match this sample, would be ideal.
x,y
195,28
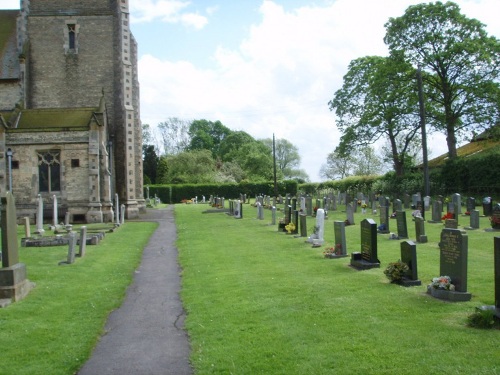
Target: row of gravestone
x,y
453,252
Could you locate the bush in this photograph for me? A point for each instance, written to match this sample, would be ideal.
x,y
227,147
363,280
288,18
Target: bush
x,y
395,271
482,318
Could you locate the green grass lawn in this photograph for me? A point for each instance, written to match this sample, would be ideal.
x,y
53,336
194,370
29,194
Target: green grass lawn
x,y
53,330
262,302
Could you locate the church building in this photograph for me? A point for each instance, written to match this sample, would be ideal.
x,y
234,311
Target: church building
x,y
70,124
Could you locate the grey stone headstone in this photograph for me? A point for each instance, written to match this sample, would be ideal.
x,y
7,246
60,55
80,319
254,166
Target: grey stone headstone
x,y
309,207
451,223
39,216
273,215
453,257
122,214
474,219
83,241
54,210
397,205
427,203
420,230
401,224
350,213
71,248
436,211
457,199
406,201
27,228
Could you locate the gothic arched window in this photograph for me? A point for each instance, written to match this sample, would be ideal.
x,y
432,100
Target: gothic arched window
x,y
49,171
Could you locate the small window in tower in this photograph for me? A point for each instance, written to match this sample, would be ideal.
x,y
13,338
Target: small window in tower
x,y
75,163
15,164
72,36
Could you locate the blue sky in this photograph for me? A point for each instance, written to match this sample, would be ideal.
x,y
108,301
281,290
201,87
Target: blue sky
x,y
263,66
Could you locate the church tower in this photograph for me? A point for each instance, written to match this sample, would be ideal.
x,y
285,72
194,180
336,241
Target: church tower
x,y
78,52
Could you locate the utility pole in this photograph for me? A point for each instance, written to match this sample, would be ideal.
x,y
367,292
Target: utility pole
x,y
274,168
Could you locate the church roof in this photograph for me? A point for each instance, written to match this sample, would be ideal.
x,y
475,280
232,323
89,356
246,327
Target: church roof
x,y
49,119
9,59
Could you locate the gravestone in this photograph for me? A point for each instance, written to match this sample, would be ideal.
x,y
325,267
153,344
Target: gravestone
x,y
71,249
54,210
14,285
420,230
384,219
295,221
260,211
453,263
303,204
401,224
436,212
367,258
317,237
457,200
495,218
27,228
397,205
39,216
470,204
273,215
238,214
303,225
420,207
474,220
427,203
349,214
409,256
451,223
309,207
339,231
122,214
487,206
406,201
82,242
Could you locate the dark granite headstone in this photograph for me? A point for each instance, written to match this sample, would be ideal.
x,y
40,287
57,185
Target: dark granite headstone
x,y
401,224
453,257
367,258
409,256
495,217
406,201
487,206
350,213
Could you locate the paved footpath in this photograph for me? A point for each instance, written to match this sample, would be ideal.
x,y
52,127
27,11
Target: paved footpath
x,y
145,336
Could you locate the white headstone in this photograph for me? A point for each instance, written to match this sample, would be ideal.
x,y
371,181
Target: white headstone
x,y
39,216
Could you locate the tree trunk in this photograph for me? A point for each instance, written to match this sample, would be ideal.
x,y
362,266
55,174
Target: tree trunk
x,y
451,141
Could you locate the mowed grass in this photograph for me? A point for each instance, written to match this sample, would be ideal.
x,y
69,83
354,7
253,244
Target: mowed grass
x,y
54,329
259,301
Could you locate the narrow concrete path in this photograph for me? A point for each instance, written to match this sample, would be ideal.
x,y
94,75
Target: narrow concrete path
x,y
145,336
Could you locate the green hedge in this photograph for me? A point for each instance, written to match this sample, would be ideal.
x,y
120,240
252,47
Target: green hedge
x,y
176,193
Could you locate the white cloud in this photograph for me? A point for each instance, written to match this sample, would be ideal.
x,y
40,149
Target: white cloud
x,y
168,11
281,77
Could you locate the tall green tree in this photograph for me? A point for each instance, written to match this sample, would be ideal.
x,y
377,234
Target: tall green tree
x,y
207,135
378,100
339,165
196,166
150,164
461,66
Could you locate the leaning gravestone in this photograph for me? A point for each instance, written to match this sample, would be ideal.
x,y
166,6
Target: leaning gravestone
x,y
71,249
409,256
453,263
367,258
13,283
401,224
